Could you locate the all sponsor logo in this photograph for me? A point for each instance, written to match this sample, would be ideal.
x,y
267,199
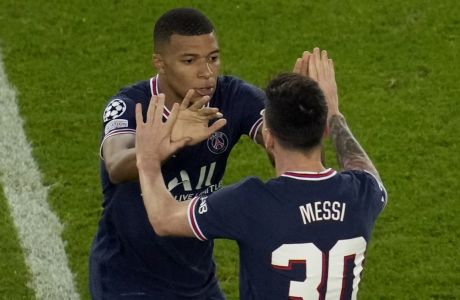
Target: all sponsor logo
x,y
218,142
115,124
114,109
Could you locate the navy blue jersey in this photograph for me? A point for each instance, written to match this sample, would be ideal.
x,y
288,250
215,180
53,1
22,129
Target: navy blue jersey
x,y
301,235
127,256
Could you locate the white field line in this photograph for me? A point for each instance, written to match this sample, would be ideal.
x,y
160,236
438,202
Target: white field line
x,y
38,227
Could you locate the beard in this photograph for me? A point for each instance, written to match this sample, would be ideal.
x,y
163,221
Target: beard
x,y
271,158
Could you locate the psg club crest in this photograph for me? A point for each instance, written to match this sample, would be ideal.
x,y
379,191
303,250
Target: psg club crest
x,y
217,142
115,109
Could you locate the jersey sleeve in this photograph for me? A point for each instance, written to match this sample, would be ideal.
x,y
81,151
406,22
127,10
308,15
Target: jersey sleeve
x,y
253,103
220,215
118,118
375,196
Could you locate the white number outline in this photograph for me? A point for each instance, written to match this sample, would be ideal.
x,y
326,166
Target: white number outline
x,y
315,275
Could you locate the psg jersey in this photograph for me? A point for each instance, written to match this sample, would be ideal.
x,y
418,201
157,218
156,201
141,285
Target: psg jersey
x,y
301,236
127,256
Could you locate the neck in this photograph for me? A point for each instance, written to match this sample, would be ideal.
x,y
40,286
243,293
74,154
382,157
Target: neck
x,y
294,160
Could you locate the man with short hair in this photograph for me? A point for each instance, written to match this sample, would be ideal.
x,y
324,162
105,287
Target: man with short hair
x,y
302,235
128,260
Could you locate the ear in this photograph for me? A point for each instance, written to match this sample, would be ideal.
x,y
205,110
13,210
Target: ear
x,y
268,139
158,63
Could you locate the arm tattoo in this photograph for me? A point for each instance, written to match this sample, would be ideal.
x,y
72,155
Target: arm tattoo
x,y
350,154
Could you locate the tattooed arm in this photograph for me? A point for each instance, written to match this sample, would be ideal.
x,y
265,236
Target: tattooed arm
x,y
350,154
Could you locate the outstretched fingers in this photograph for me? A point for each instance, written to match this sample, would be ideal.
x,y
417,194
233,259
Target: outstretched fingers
x,y
305,60
216,126
324,63
152,109
318,64
200,102
312,70
298,66
172,117
301,64
187,99
331,67
139,117
209,113
158,114
169,127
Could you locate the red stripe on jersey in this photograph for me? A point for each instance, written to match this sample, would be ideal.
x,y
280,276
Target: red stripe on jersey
x,y
166,112
155,91
328,173
154,85
192,220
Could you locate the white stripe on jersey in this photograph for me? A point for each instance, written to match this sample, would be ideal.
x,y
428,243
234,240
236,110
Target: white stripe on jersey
x,y
192,220
382,188
255,128
113,133
155,91
311,176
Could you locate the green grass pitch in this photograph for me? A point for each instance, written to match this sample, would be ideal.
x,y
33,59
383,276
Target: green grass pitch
x,y
398,71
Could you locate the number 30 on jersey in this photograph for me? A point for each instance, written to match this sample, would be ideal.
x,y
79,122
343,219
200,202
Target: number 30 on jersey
x,y
308,253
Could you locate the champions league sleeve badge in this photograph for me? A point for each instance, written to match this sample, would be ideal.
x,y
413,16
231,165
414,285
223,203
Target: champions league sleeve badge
x,y
217,142
114,109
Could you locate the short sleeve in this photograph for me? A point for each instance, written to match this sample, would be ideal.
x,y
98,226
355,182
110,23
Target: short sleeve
x,y
376,194
118,118
254,101
220,215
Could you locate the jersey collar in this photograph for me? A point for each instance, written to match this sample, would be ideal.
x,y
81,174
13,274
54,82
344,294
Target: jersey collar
x,y
312,176
155,91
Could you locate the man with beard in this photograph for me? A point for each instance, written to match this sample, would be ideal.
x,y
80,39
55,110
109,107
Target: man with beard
x,y
301,235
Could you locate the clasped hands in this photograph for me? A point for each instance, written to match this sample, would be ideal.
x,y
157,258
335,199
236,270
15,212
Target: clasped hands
x,y
193,119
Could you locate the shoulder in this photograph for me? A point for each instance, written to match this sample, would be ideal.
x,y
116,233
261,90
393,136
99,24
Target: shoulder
x,y
233,85
126,98
359,175
240,190
138,91
365,183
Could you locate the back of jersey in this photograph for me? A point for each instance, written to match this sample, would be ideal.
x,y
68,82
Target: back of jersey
x,y
301,235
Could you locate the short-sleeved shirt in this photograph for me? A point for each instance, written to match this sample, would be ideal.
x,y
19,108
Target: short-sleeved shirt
x,y
127,255
302,235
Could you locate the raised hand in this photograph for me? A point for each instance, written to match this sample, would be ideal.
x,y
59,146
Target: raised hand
x,y
153,137
321,69
301,64
193,119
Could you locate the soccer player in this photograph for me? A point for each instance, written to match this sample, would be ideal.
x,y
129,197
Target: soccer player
x,y
302,235
128,260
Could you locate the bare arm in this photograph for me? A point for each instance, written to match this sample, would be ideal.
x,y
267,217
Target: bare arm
x,y
167,216
120,158
192,122
301,67
350,154
153,145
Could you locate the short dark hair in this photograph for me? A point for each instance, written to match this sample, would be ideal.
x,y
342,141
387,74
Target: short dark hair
x,y
295,111
183,21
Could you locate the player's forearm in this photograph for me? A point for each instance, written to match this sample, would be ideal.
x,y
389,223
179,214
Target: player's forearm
x,y
158,202
121,167
350,154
